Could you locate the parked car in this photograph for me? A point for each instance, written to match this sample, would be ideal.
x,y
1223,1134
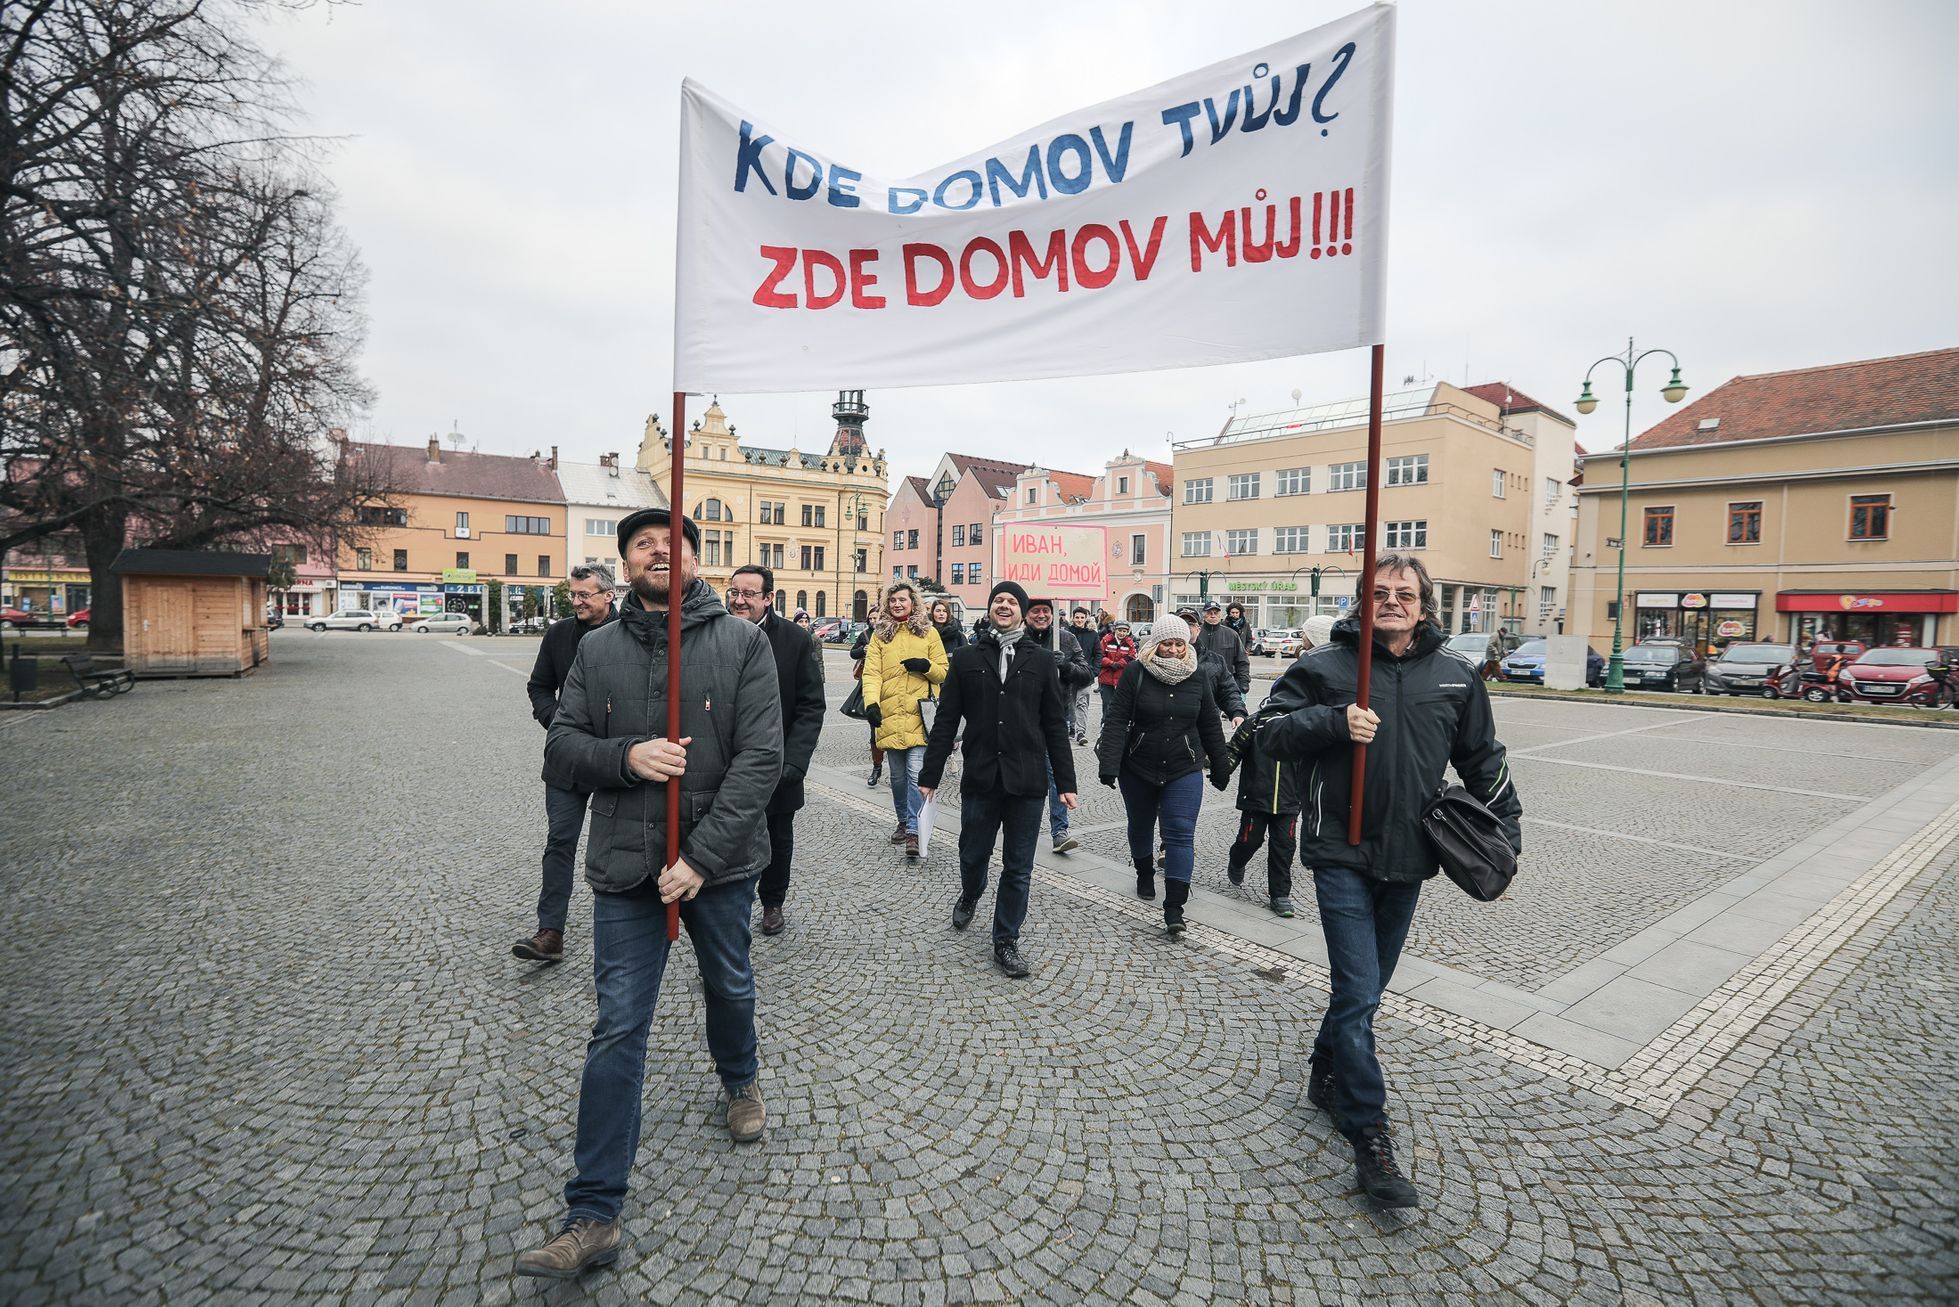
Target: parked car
x,y
12,617
1744,668
78,620
1526,665
1822,651
275,620
528,626
824,627
357,619
1289,644
845,633
1894,675
445,624
1664,665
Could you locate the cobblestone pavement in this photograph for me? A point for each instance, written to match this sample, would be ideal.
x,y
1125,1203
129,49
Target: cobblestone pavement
x,y
267,1043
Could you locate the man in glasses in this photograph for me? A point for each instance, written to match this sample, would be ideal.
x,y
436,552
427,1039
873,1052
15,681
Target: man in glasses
x,y
799,678
564,807
1427,711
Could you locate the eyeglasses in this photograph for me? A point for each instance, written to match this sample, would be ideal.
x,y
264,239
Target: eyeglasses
x,y
586,594
1399,596
746,594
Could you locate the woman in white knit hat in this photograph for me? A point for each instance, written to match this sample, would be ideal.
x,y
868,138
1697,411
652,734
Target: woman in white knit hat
x,y
1159,734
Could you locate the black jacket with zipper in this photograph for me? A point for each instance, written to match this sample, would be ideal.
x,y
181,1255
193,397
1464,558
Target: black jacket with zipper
x,y
1265,784
1434,714
554,655
1228,645
1160,732
1014,729
799,682
1224,686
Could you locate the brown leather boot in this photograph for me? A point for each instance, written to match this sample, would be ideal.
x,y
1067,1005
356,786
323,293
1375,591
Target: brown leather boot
x,y
545,946
746,1120
772,922
581,1245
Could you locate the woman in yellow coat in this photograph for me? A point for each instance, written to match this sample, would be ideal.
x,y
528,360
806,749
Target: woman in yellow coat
x,y
905,662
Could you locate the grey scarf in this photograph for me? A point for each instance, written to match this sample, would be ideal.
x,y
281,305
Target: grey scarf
x,y
1006,640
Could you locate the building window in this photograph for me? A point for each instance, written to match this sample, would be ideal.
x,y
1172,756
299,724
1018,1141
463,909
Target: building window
x,y
1347,476
1198,491
863,560
959,534
527,526
897,573
711,548
462,521
973,576
1496,544
911,539
1290,540
805,555
1659,526
974,537
462,559
1242,485
384,517
809,514
897,539
1745,523
598,526
294,554
820,607
364,560
544,564
911,571
802,599
1030,494
1870,517
1552,490
1498,481
1550,545
510,564
1408,470
1197,544
1346,538
401,560
1136,551
1294,481
1407,535
1122,485
1241,541
1547,596
959,574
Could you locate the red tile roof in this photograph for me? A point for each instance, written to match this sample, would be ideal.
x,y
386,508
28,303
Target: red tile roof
x,y
995,475
1073,485
1166,476
470,476
1839,397
1509,399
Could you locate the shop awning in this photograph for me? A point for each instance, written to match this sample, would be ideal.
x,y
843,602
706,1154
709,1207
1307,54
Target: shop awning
x,y
1867,601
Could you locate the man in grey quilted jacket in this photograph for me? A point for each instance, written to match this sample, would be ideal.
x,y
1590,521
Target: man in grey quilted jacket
x,y
607,738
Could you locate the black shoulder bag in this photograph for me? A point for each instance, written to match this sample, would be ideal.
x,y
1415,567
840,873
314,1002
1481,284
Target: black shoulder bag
x,y
1469,842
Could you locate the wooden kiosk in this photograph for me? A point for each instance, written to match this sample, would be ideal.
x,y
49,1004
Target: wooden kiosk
x,y
187,612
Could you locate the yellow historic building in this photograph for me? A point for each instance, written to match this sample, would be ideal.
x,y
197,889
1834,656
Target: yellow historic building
x,y
816,519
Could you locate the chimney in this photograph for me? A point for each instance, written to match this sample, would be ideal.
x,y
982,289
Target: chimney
x,y
554,458
610,462
435,449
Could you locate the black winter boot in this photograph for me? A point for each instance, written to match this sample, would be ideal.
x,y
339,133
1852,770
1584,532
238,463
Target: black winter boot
x,y
1380,1179
1145,878
1175,894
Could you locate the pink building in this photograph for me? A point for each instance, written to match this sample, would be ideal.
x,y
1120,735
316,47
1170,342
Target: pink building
x,y
1131,499
941,525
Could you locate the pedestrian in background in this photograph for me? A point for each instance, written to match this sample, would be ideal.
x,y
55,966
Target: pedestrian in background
x,y
1072,669
1160,734
564,805
951,635
1217,638
1426,713
1268,802
1089,639
1006,693
858,649
799,684
903,664
1114,653
607,738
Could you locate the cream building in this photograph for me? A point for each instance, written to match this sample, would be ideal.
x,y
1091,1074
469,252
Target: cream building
x,y
598,496
1821,502
1276,497
816,519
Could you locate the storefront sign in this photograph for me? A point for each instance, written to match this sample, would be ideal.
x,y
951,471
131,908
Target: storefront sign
x,y
1693,601
1658,599
1056,562
1745,600
459,575
1731,630
1887,601
1289,587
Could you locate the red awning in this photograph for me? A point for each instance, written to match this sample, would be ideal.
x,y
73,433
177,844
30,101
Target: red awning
x,y
1867,601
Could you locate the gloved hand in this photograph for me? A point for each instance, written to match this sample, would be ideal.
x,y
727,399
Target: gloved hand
x,y
874,715
917,666
1108,779
1220,779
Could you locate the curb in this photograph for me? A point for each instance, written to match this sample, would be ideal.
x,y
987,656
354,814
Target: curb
x,y
1927,720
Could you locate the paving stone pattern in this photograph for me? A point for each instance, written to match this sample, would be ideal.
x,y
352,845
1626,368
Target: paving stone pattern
x,y
267,1045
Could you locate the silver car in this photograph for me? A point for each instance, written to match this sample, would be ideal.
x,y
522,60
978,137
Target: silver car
x,y
445,624
357,619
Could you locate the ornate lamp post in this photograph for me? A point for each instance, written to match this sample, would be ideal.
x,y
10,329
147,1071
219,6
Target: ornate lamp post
x,y
1672,392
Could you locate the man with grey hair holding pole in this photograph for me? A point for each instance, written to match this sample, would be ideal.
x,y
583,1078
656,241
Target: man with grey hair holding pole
x,y
564,808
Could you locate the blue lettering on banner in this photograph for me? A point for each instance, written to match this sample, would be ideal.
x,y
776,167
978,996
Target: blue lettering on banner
x,y
748,158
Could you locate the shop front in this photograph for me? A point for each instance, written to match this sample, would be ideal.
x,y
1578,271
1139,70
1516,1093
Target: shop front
x,y
57,592
1871,617
1707,619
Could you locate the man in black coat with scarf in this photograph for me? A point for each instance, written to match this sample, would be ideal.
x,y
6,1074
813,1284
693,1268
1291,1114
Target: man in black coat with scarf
x,y
799,676
1008,693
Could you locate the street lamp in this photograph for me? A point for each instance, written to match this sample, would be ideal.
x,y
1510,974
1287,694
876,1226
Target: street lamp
x,y
1674,390
1317,572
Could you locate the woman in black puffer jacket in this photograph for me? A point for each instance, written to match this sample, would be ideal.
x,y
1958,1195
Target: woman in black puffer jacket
x,y
1158,737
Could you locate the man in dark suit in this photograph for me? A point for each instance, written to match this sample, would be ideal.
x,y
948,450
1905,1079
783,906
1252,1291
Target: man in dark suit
x,y
799,676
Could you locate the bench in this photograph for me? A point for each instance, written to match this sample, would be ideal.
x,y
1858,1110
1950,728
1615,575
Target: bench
x,y
102,682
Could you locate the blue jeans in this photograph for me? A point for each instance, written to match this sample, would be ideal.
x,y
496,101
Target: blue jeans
x,y
1057,810
629,954
903,765
1175,805
564,813
1366,923
981,817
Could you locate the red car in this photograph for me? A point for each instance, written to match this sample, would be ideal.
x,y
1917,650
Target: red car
x,y
11,617
79,619
1893,675
1823,651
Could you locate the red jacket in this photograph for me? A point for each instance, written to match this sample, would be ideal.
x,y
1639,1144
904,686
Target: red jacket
x,y
1117,652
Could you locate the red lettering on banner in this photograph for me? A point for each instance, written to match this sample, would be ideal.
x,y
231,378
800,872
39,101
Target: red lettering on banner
x,y
1146,260
987,290
1203,238
1055,264
766,294
861,281
936,296
1094,278
830,263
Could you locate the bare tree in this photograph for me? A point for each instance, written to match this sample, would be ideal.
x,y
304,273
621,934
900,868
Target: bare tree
x,y
179,312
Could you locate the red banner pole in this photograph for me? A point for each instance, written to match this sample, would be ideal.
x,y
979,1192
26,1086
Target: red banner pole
x,y
676,541
1366,587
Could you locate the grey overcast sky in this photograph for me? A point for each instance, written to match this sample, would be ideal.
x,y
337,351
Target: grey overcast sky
x,y
1756,186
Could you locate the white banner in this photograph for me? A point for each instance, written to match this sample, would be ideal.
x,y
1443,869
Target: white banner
x,y
1238,212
